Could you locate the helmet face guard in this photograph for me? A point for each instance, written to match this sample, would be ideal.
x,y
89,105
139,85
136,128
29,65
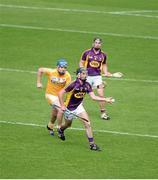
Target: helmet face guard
x,y
80,70
61,66
82,74
62,63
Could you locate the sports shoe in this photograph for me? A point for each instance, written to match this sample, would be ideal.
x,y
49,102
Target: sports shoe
x,y
105,116
61,134
51,132
94,147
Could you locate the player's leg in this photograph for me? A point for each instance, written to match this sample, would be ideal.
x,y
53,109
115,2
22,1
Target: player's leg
x,y
98,83
68,121
54,113
87,126
51,123
59,118
82,113
66,125
104,115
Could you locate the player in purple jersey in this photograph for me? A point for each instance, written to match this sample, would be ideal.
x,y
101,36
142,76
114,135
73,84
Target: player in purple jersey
x,y
73,107
95,60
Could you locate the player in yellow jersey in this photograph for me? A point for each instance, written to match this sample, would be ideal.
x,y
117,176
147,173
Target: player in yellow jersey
x,y
58,78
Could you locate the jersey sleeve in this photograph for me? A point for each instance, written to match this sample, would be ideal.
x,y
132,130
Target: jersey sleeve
x,y
104,58
70,87
84,56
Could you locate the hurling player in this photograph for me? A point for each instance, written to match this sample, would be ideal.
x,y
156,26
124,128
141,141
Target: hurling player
x,y
73,107
58,78
95,60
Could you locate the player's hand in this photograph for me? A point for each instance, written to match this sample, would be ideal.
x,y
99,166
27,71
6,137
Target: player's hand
x,y
39,85
63,107
117,74
110,100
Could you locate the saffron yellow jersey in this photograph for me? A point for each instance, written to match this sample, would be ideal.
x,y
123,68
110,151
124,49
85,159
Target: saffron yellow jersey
x,y
56,81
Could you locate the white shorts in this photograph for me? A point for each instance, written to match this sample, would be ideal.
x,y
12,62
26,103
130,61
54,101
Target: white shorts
x,y
70,115
94,81
53,100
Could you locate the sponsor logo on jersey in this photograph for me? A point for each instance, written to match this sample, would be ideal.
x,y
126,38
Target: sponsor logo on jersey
x,y
94,64
79,95
57,80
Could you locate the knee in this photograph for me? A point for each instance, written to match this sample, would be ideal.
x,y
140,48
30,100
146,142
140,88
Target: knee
x,y
87,125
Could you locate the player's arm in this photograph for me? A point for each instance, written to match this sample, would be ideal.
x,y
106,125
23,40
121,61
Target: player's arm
x,y
105,67
40,72
98,98
81,63
61,98
83,59
105,71
64,91
108,74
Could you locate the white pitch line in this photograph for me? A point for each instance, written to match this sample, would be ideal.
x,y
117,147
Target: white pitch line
x,y
81,129
54,9
124,13
131,14
77,31
138,11
18,70
115,79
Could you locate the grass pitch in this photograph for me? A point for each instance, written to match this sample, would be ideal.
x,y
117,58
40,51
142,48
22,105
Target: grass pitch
x,y
37,33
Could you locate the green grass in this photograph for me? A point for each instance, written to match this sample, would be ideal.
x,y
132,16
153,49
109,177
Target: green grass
x,y
28,151
34,154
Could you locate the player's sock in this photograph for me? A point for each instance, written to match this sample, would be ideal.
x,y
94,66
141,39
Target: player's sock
x,y
51,132
61,134
91,140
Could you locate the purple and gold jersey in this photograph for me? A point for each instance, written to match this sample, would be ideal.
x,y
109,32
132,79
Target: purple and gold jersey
x,y
76,92
93,61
